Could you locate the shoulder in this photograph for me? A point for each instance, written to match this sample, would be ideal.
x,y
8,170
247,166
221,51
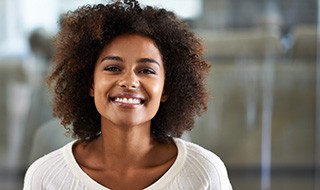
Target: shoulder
x,y
45,169
205,165
203,156
46,162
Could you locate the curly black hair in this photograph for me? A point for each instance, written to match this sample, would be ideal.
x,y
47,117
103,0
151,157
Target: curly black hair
x,y
85,31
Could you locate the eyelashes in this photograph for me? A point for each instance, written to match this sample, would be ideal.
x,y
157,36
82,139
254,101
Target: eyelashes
x,y
112,68
147,71
143,70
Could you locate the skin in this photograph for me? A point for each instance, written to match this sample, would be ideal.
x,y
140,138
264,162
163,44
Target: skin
x,y
125,156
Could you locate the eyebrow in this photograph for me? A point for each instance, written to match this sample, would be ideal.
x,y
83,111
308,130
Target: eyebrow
x,y
148,60
110,57
142,60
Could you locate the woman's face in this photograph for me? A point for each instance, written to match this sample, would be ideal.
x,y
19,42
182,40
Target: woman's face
x,y
128,81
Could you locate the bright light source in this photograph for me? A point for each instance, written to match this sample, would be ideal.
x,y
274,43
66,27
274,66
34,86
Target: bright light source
x,y
188,9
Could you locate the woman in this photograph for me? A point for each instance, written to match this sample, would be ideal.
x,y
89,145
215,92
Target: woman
x,y
130,80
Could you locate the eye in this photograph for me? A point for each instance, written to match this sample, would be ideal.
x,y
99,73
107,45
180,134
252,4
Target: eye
x,y
147,71
112,68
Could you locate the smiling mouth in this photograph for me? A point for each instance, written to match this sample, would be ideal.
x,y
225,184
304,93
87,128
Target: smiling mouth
x,y
133,101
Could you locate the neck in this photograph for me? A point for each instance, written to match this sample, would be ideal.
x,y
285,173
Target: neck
x,y
125,145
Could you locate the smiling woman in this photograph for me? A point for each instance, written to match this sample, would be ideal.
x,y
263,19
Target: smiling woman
x,y
129,73
130,81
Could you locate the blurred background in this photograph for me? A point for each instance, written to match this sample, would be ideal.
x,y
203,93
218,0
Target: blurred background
x,y
264,114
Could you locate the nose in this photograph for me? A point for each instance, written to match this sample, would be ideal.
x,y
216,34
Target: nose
x,y
129,80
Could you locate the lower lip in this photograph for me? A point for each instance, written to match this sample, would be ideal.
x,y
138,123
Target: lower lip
x,y
127,105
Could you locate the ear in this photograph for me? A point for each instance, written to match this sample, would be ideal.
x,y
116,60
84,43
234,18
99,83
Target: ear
x,y
91,91
164,98
165,94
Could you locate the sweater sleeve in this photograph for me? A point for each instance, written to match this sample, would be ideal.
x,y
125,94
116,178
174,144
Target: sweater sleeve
x,y
220,173
40,173
33,179
30,179
211,170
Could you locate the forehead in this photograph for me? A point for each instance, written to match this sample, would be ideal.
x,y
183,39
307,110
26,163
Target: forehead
x,y
134,44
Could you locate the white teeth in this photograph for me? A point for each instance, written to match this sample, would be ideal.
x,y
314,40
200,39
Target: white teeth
x,y
128,100
136,101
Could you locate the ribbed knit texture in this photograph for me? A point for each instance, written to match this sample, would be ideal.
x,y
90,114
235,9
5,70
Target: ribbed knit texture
x,y
194,169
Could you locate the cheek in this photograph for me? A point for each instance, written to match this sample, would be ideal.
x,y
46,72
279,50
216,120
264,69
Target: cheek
x,y
100,89
156,89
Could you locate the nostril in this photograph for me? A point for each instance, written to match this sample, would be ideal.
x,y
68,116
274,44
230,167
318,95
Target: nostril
x,y
129,79
132,84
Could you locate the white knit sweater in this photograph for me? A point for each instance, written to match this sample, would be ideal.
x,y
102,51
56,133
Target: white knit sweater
x,y
195,168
